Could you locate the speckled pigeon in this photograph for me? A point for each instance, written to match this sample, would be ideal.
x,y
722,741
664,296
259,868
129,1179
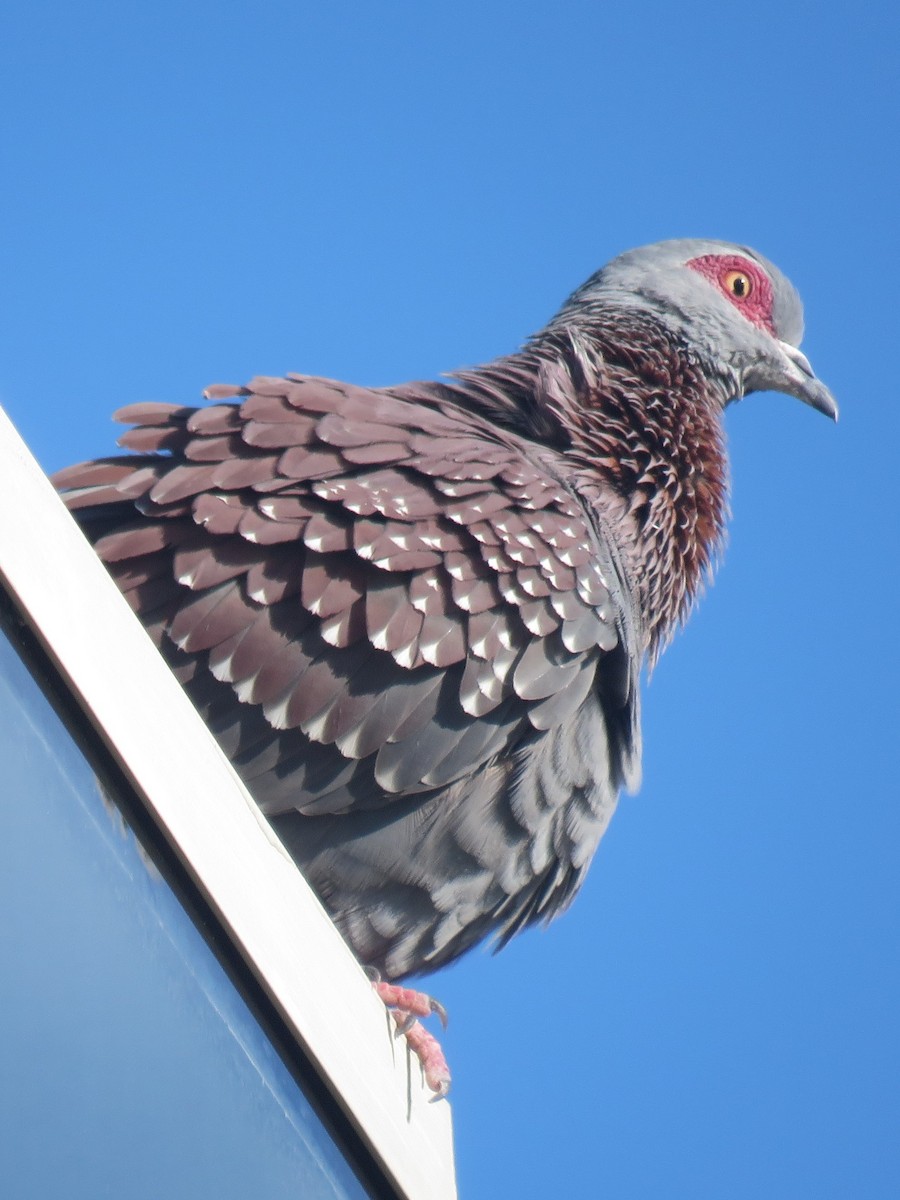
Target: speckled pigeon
x,y
415,617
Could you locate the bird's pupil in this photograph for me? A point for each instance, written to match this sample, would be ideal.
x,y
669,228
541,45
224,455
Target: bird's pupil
x,y
740,286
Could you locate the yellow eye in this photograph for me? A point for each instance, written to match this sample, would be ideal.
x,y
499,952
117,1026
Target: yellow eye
x,y
739,284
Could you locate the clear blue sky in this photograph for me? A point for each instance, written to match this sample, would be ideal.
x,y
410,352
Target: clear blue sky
x,y
196,192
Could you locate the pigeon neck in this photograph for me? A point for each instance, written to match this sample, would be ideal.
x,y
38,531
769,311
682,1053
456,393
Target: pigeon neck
x,y
639,424
645,423
636,424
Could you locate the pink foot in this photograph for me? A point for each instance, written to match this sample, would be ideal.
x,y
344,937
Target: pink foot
x,y
406,1006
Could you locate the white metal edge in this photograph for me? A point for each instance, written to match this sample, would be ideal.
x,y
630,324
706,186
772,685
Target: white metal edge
x,y
244,872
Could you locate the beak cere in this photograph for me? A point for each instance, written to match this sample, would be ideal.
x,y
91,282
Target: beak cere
x,y
797,378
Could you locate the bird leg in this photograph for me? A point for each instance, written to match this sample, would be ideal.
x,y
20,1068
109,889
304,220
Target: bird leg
x,y
406,1006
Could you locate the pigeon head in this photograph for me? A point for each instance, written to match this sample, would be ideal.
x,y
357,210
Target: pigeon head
x,y
728,303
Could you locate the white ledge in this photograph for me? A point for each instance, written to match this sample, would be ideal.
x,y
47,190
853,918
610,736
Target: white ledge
x,y
271,915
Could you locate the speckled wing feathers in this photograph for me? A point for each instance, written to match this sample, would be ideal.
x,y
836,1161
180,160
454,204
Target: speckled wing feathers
x,y
398,583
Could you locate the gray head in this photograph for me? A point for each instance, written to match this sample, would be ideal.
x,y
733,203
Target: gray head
x,y
731,306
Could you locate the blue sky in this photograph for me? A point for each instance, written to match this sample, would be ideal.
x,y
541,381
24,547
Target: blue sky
x,y
198,192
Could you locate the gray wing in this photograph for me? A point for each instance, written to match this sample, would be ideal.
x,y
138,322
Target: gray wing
x,y
405,632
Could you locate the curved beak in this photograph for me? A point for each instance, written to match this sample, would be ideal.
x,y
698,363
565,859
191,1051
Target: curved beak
x,y
795,377
781,367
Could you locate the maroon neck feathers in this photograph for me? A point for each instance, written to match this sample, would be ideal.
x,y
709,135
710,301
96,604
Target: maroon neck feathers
x,y
641,424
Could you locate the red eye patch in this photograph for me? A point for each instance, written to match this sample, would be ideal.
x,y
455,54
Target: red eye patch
x,y
742,282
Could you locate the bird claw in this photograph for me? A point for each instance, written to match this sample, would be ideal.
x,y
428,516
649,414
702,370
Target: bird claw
x,y
404,1023
439,1011
406,1006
